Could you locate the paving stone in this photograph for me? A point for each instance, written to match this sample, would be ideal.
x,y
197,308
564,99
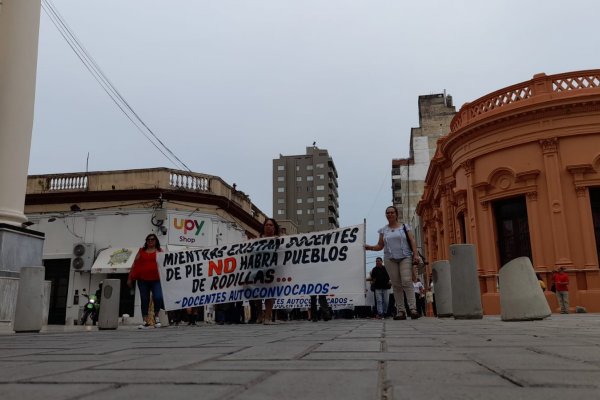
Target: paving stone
x,y
153,376
528,360
164,391
34,370
442,372
23,391
401,355
351,345
555,378
428,358
470,392
280,365
272,351
321,385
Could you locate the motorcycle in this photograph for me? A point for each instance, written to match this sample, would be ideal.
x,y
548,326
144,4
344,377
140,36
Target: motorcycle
x,y
91,308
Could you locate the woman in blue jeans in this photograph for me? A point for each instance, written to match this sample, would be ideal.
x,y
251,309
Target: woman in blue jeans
x,y
145,271
400,253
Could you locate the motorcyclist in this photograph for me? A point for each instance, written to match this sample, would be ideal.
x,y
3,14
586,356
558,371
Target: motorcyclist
x,y
92,306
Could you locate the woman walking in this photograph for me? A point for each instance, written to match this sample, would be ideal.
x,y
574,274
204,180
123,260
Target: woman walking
x,y
145,271
400,253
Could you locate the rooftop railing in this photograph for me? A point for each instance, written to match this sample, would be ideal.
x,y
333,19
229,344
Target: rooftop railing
x,y
138,179
121,180
553,86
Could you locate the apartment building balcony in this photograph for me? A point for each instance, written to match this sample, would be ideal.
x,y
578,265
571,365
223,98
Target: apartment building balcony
x,y
333,209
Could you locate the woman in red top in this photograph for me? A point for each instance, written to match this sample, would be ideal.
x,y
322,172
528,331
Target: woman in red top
x,y
145,271
561,283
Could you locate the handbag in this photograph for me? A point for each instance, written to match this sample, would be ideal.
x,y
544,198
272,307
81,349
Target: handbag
x,y
429,297
423,262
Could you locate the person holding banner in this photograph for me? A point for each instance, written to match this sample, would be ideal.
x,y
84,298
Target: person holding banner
x,y
270,228
400,253
145,271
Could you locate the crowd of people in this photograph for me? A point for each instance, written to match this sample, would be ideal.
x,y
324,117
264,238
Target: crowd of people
x,y
144,271
396,271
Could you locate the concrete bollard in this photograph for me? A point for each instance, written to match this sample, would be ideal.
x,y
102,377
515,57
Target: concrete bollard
x,y
29,309
521,297
108,317
466,294
442,287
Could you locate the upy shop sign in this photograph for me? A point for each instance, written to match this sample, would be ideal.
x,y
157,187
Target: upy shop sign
x,y
187,231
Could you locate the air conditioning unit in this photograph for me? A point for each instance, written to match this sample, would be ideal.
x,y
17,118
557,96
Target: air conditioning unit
x,y
83,256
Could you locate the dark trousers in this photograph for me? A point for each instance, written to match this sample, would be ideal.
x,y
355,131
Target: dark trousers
x,y
325,311
420,303
145,288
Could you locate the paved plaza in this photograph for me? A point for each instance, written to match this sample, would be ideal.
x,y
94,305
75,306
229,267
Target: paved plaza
x,y
557,358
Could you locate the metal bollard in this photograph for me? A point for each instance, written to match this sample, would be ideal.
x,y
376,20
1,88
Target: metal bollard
x,y
108,317
442,286
521,297
466,294
29,308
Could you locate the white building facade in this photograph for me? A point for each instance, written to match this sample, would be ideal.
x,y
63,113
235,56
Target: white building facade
x,y
107,215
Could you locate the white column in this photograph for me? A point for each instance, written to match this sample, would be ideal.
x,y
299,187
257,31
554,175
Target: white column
x,y
19,32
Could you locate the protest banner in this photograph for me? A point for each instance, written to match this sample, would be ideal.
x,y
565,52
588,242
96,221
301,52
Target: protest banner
x,y
335,301
317,263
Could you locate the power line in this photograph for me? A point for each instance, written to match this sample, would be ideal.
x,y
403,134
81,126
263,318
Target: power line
x,y
93,67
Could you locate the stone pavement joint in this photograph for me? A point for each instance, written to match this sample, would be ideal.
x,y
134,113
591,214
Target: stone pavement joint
x,y
429,358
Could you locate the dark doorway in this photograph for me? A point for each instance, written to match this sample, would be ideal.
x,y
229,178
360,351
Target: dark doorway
x,y
595,202
462,227
127,296
57,271
512,229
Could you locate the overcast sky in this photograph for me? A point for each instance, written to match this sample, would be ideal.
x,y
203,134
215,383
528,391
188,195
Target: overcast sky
x,y
229,85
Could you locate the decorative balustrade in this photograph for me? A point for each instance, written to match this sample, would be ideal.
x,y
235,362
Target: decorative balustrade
x,y
67,183
120,180
561,83
189,182
541,84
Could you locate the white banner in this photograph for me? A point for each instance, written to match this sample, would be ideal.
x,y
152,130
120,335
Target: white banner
x,y
318,263
335,301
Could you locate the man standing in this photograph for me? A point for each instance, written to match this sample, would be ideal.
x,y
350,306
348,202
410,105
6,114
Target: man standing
x,y
561,283
419,295
380,283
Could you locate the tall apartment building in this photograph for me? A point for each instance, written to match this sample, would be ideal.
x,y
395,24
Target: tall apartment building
x,y
408,174
305,190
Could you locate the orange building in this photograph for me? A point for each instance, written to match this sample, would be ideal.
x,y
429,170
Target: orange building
x,y
519,175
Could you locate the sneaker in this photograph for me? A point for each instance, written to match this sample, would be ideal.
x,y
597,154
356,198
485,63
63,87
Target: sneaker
x,y
145,325
157,323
